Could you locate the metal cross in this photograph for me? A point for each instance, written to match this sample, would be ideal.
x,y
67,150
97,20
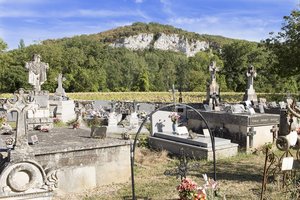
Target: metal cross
x,y
183,167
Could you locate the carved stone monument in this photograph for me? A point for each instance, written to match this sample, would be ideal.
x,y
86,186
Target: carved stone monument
x,y
37,72
61,106
250,94
213,95
21,104
37,76
60,91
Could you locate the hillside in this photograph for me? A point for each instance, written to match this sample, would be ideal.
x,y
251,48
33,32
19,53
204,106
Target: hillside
x,y
138,32
154,58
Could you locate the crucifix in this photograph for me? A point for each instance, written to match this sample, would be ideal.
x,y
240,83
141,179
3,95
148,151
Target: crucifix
x,y
60,90
173,90
251,134
37,72
20,104
251,74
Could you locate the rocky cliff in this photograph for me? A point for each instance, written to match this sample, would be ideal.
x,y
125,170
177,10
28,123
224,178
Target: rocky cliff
x,y
162,41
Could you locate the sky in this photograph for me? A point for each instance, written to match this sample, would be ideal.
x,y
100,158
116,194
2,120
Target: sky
x,y
37,20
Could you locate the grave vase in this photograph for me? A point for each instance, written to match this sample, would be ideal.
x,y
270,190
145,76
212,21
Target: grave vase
x,y
174,127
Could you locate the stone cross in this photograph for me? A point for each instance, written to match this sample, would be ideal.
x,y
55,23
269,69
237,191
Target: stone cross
x,y
213,69
251,134
60,91
173,90
37,72
251,74
20,104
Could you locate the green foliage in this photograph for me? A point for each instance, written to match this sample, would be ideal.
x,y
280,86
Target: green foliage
x,y
89,64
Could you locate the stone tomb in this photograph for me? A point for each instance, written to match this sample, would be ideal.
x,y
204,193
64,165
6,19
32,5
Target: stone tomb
x,y
62,161
248,130
61,106
41,114
162,137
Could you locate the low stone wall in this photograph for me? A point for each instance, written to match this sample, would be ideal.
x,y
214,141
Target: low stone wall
x,y
88,168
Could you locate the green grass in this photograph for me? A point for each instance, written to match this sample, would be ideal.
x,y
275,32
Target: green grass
x,y
239,178
188,97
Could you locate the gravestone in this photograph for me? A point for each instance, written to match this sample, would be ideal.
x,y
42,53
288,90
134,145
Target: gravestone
x,y
212,94
250,92
173,91
61,107
98,132
21,104
37,72
133,119
60,91
196,145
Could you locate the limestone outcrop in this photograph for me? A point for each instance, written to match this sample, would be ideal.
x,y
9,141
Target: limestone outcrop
x,y
162,41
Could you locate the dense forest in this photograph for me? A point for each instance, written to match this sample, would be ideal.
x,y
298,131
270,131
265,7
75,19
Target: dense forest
x,y
89,64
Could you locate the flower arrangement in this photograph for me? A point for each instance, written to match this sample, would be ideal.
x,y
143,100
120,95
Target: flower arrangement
x,y
76,124
189,190
174,117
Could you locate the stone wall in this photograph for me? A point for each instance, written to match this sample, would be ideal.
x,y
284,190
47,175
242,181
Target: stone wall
x,y
88,168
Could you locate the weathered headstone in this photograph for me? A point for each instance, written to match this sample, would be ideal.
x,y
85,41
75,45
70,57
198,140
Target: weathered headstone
x,y
20,104
250,92
173,91
60,91
37,72
212,95
98,132
37,76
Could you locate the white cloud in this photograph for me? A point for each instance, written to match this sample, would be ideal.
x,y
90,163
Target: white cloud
x,y
66,14
139,1
167,7
186,20
106,13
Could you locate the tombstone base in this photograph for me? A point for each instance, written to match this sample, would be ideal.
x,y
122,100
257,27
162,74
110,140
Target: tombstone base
x,y
199,148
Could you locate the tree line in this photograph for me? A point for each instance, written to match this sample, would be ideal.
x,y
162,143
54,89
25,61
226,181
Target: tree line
x,y
90,65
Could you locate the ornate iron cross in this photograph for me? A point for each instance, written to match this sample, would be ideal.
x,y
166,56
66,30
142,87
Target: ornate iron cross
x,y
183,167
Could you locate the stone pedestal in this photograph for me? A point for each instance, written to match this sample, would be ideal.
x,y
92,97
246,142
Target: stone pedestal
x,y
112,120
40,115
134,120
63,109
250,95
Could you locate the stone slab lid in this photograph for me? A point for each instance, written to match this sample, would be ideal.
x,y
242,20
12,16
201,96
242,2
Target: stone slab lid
x,y
200,141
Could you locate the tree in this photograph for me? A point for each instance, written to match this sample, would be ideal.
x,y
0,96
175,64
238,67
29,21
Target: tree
x,y
21,44
286,45
238,56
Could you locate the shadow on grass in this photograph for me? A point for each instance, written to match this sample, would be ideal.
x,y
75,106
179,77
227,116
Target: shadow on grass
x,y
235,172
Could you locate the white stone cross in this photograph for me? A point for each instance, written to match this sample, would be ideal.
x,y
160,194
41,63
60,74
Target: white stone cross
x,y
251,74
173,90
60,90
20,104
213,69
37,72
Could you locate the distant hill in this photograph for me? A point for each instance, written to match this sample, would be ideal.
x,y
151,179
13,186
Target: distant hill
x,y
158,36
141,57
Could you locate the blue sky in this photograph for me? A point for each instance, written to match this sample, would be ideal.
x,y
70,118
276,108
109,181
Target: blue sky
x,y
36,20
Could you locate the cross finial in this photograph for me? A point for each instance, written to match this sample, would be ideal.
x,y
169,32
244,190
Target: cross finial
x,y
173,90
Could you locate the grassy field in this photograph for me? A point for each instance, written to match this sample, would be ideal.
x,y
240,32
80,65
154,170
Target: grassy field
x,y
239,178
188,97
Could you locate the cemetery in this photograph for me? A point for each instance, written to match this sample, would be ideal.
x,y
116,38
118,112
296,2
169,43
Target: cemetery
x,y
96,147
